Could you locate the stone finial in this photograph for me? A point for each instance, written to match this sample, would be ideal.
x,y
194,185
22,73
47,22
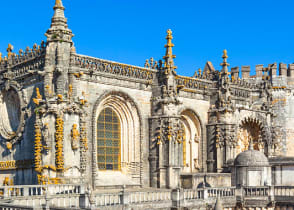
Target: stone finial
x,y
146,65
59,30
20,52
35,46
169,62
199,72
9,50
224,64
28,49
58,4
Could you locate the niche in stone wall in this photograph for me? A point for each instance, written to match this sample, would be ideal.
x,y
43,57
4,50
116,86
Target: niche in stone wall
x,y
192,131
249,130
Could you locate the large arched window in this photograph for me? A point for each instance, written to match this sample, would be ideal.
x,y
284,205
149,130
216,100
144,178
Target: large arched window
x,y
108,140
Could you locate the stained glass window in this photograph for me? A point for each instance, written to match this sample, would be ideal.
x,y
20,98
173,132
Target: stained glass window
x,y
108,140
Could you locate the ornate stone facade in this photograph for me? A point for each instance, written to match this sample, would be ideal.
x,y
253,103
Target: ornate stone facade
x,y
71,119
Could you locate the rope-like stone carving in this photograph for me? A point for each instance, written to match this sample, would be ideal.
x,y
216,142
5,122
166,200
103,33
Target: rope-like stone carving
x,y
83,144
59,144
38,147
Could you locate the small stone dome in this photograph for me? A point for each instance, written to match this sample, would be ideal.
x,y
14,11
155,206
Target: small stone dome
x,y
252,158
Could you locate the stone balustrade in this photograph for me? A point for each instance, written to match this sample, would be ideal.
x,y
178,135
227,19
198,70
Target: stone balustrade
x,y
108,199
150,196
256,191
284,190
191,194
189,83
95,65
39,190
221,192
76,196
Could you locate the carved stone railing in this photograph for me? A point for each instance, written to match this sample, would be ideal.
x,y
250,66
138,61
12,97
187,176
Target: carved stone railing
x,y
150,196
22,69
23,56
108,199
192,194
75,196
221,192
284,191
256,191
93,65
191,84
39,190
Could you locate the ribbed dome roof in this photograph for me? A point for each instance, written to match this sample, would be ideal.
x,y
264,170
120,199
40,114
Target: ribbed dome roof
x,y
251,158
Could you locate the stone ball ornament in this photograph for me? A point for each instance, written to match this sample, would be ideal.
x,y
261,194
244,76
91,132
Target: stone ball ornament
x,y
11,115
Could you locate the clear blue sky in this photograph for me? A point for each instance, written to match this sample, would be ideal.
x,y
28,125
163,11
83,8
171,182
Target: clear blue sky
x,y
129,31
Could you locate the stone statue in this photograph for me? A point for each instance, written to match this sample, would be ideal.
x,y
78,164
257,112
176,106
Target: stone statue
x,y
46,137
75,137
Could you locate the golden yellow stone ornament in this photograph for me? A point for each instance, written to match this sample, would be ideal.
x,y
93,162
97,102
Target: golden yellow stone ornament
x,y
9,145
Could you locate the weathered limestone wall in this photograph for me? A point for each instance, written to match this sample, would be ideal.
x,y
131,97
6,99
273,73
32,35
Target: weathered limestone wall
x,y
289,122
197,180
23,150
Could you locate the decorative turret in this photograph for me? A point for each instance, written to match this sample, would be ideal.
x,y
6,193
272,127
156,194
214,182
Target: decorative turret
x,y
169,57
59,29
224,64
58,52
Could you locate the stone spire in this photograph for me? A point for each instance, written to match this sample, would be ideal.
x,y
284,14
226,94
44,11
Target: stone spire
x,y
224,64
59,30
169,57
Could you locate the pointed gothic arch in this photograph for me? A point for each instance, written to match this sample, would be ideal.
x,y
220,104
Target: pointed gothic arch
x,y
128,118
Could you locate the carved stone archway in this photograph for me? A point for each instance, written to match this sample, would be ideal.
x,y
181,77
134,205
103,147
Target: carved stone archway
x,y
192,142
